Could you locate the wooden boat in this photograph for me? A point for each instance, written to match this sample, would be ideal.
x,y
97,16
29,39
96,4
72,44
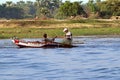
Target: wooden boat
x,y
38,44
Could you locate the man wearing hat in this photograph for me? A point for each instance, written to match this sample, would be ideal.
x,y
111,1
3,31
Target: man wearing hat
x,y
68,36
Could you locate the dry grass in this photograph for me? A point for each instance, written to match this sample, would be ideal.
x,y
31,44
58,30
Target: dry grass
x,y
58,23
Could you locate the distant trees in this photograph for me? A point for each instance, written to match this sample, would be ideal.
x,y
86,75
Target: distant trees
x,y
68,9
28,8
104,9
14,13
11,12
110,8
47,8
9,3
2,11
58,9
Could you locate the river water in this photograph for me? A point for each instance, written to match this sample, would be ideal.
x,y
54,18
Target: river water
x,y
97,59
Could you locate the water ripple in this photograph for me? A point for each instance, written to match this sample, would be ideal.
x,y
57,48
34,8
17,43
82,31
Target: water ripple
x,y
96,59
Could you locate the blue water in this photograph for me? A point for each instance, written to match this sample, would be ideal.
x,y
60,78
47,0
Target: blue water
x,y
97,59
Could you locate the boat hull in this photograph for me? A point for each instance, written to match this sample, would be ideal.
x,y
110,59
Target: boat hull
x,y
37,44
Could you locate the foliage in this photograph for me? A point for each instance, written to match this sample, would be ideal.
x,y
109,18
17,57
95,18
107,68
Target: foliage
x,y
59,9
29,9
104,9
46,7
110,8
91,6
52,32
11,12
68,9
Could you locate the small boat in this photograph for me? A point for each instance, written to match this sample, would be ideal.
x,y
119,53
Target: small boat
x,y
38,44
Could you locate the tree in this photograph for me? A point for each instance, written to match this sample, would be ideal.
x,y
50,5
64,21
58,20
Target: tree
x,y
13,13
2,11
68,9
91,6
97,5
28,7
38,2
31,10
98,1
110,8
77,9
46,8
9,3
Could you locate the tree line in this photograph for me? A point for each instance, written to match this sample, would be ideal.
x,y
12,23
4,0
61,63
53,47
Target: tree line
x,y
59,9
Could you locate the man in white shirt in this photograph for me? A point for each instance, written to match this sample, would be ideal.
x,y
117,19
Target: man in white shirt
x,y
68,36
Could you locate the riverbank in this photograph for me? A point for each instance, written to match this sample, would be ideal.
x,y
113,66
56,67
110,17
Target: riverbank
x,y
35,29
52,23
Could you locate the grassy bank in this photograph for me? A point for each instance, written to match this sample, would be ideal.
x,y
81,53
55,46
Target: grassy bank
x,y
35,29
38,32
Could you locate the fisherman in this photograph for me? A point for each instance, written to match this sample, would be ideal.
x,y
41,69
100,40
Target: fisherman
x,y
68,37
46,39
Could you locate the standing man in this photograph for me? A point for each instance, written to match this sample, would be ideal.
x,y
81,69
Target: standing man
x,y
68,37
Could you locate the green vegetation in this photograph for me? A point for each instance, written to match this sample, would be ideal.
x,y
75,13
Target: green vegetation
x,y
43,9
38,32
24,29
70,9
97,31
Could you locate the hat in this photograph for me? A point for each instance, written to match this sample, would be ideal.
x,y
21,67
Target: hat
x,y
65,29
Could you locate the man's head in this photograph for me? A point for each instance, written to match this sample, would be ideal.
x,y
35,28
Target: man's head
x,y
65,30
45,35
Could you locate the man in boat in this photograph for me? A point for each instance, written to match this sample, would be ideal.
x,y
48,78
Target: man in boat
x,y
68,37
46,40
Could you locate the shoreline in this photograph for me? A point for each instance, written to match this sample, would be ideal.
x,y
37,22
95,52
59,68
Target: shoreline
x,y
98,36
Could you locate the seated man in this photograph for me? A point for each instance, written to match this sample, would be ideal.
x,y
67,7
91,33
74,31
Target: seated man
x,y
46,39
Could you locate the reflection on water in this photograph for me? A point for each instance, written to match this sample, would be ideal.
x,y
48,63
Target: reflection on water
x,y
96,59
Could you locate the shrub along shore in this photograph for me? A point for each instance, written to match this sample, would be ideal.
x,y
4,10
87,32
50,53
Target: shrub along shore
x,y
36,28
